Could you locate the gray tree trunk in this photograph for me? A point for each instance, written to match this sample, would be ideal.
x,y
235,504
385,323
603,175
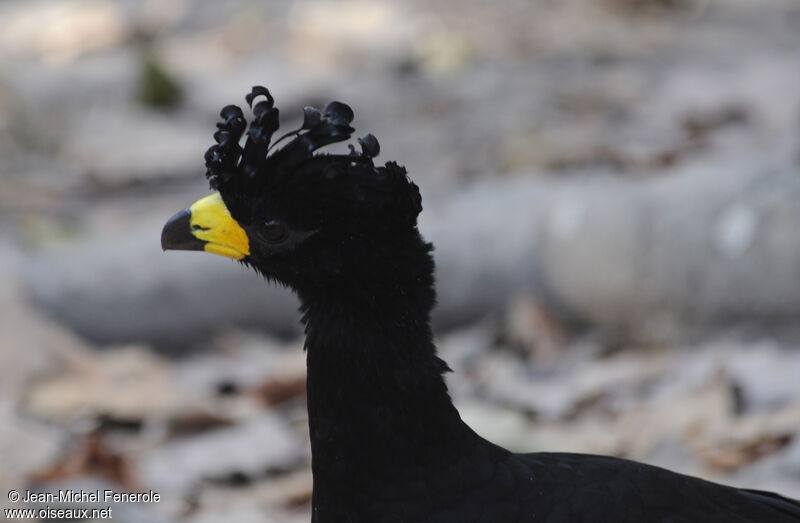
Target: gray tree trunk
x,y
655,257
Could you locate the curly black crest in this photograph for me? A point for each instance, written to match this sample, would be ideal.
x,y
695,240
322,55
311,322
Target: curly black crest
x,y
259,166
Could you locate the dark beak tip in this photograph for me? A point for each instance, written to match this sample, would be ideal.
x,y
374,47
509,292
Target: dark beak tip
x,y
177,233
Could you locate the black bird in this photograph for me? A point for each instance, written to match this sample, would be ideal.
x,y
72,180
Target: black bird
x,y
387,443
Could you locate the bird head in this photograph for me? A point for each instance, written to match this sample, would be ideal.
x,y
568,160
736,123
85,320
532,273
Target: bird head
x,y
297,216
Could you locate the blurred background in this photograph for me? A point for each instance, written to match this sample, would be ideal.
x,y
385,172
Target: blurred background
x,y
612,186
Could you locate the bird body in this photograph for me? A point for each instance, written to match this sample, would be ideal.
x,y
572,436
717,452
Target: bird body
x,y
388,445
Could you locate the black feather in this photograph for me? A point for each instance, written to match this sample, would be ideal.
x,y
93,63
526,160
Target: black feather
x,y
387,443
260,166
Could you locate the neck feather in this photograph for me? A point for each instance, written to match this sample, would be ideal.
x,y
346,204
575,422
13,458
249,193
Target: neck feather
x,y
377,399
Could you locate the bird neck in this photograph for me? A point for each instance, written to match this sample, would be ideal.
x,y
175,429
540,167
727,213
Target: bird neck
x,y
377,399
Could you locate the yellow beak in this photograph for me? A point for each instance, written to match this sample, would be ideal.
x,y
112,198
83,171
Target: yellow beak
x,y
206,226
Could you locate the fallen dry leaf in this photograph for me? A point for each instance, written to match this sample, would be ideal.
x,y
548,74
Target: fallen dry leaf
x,y
92,457
196,421
534,328
732,455
278,390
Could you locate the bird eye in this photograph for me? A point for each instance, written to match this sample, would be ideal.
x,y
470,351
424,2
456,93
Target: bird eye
x,y
275,231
